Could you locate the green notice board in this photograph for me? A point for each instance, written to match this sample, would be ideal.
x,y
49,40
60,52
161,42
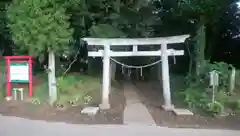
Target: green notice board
x,y
19,72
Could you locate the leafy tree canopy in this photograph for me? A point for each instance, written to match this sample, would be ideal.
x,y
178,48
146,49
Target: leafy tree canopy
x,y
39,25
211,10
3,23
112,18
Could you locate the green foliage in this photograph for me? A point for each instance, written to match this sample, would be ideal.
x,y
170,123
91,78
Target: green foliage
x,y
215,108
201,6
64,84
3,26
224,72
77,90
210,9
198,95
196,16
73,90
105,30
39,26
112,18
197,98
194,10
203,79
194,97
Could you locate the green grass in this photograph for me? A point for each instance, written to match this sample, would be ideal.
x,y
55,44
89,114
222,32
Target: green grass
x,y
76,89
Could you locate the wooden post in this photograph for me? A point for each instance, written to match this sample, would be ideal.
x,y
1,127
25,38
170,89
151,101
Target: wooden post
x,y
106,78
232,81
52,78
165,79
9,90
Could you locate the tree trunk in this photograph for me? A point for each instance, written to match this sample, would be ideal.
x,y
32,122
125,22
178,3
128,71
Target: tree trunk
x,y
232,81
200,47
52,78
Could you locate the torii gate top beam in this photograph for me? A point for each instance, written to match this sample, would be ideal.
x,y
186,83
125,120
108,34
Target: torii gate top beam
x,y
136,41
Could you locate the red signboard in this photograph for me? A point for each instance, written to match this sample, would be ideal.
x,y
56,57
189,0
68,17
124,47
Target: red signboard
x,y
18,70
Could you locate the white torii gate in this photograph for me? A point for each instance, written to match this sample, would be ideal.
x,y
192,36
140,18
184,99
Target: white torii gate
x,y
135,42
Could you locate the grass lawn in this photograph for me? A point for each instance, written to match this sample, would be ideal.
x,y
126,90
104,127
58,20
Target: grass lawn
x,y
73,89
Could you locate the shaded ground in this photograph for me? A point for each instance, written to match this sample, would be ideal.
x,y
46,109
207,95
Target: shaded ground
x,y
71,114
151,96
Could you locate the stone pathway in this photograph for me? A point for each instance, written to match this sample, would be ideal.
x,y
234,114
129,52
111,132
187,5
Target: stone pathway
x,y
135,112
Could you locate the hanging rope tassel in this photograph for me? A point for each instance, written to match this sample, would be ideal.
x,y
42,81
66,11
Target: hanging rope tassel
x,y
174,59
129,72
141,72
122,69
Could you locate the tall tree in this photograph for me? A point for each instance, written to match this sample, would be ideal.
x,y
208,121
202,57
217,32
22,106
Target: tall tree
x,y
200,13
4,31
40,26
205,12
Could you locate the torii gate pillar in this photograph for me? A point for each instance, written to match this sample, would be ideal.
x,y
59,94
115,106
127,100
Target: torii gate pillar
x,y
166,79
106,79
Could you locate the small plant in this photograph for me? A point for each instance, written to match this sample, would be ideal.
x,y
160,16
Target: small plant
x,y
65,84
61,105
35,101
75,100
215,108
87,99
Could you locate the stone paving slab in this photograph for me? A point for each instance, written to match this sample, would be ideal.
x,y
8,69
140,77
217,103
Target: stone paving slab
x,y
91,111
135,112
182,112
130,93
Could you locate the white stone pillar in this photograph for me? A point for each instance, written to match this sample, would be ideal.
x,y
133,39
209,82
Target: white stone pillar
x,y
166,79
52,88
106,78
